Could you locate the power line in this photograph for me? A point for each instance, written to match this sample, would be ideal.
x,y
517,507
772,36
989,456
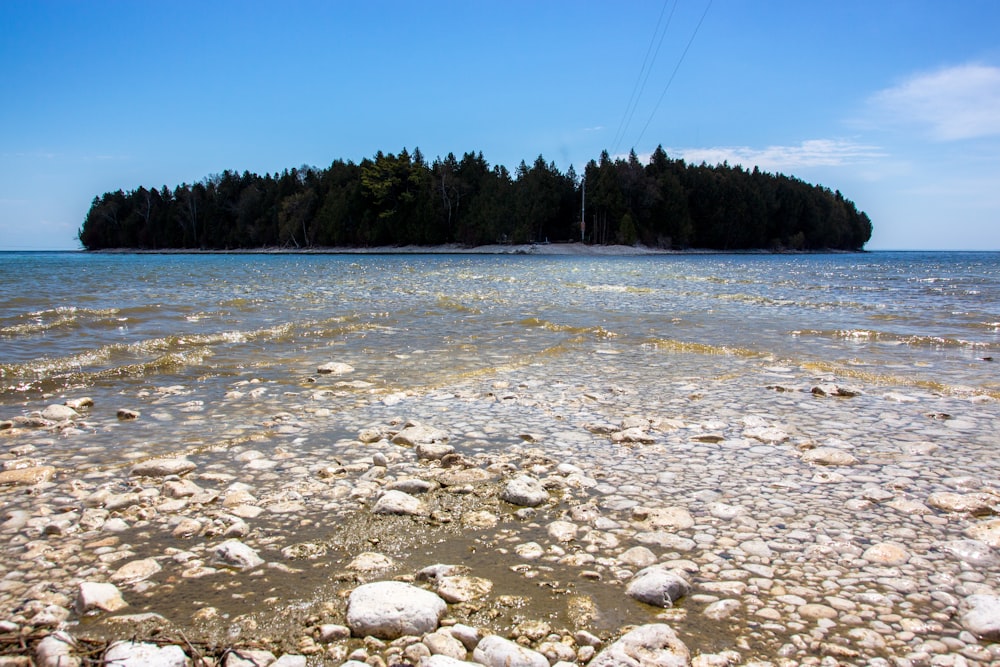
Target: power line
x,y
674,73
640,81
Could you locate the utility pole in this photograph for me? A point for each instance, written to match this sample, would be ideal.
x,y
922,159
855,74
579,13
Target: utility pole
x,y
583,207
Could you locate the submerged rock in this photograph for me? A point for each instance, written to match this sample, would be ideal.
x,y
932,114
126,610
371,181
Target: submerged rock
x,y
27,476
162,467
829,456
59,413
982,616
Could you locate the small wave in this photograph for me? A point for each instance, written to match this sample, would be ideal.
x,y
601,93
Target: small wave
x,y
888,338
40,321
453,304
619,289
874,377
534,322
671,345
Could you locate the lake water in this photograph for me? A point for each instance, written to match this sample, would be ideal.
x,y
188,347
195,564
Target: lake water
x,y
219,356
408,321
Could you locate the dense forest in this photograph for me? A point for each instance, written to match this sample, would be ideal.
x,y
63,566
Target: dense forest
x,y
402,199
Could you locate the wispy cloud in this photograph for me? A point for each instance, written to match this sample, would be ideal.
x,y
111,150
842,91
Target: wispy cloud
x,y
810,153
950,104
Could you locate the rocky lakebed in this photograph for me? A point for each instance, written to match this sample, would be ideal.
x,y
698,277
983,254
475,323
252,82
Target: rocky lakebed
x,y
758,515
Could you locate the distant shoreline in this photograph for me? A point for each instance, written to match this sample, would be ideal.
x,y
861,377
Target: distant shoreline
x,y
540,249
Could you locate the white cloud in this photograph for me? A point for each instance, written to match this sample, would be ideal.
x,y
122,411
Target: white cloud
x,y
810,153
950,104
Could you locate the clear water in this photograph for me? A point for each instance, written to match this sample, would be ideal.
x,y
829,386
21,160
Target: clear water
x,y
78,320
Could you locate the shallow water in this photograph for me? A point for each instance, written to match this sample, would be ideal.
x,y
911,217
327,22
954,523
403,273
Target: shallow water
x,y
219,354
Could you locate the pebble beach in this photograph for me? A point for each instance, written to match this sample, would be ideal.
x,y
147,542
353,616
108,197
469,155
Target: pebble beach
x,y
590,500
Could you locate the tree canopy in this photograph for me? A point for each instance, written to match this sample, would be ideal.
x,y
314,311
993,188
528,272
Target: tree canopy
x,y
401,199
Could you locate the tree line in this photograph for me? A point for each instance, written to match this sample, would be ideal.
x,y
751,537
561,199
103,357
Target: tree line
x,y
402,199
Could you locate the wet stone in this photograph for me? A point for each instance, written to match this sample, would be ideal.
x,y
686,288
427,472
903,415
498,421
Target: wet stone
x,y
524,491
391,609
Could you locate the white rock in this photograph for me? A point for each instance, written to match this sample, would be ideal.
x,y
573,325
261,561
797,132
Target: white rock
x,y
637,557
462,588
524,491
335,368
674,518
982,616
56,650
94,595
397,502
440,661
443,643
973,503
370,561
136,571
886,553
162,467
986,531
140,654
391,609
829,456
59,413
234,553
432,451
249,658
972,552
495,651
722,609
657,586
655,645
417,434
290,660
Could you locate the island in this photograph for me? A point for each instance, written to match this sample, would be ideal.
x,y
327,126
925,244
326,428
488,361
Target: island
x,y
403,200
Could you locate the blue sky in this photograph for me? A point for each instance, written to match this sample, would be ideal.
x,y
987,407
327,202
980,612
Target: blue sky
x,y
894,103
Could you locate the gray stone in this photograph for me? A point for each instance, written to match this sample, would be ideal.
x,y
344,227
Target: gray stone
x,y
972,552
371,562
986,531
418,434
56,650
442,642
102,596
657,586
162,467
828,456
59,413
433,451
335,368
462,588
391,609
982,616
234,553
140,654
524,491
249,658
495,651
397,502
655,645
136,571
